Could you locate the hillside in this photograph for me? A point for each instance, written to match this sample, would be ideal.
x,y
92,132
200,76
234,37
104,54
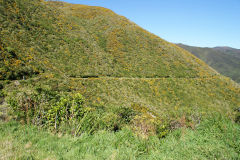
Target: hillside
x,y
107,58
225,60
87,41
78,70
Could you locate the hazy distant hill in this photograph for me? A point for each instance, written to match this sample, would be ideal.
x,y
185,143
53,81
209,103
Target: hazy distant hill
x,y
229,50
225,60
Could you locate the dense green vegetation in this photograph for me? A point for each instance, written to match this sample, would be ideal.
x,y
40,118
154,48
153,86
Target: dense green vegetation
x,y
223,59
170,98
66,113
93,77
215,138
87,41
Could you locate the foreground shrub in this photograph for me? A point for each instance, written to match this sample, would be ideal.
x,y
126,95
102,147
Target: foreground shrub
x,y
147,123
66,112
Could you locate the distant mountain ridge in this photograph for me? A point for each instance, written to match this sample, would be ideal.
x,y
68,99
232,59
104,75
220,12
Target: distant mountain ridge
x,y
225,60
228,50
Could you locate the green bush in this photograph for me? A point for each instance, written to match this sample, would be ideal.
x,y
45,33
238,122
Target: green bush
x,y
147,123
69,108
126,114
66,112
46,107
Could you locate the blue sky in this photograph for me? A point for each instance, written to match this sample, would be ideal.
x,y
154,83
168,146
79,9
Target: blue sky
x,y
204,23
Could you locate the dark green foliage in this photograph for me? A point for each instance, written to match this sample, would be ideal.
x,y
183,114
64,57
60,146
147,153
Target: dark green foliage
x,y
237,116
1,86
126,113
2,94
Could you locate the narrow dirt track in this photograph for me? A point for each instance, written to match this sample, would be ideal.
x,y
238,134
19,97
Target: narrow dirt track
x,y
132,78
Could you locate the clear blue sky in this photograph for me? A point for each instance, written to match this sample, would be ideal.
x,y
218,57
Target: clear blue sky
x,y
204,23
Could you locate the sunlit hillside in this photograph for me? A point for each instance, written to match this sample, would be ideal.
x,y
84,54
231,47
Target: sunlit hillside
x,y
107,58
83,70
83,41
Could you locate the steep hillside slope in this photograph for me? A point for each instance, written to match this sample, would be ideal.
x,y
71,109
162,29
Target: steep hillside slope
x,y
223,59
108,59
82,41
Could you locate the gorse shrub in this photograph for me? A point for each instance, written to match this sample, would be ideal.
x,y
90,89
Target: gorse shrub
x,y
148,123
25,31
33,33
12,66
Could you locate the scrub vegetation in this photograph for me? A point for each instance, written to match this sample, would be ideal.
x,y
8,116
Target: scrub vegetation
x,y
81,82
